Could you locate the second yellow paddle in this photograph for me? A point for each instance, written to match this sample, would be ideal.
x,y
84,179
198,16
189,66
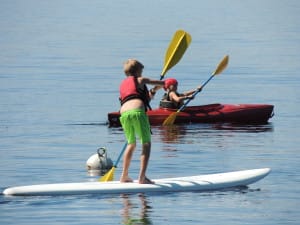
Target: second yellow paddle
x,y
222,65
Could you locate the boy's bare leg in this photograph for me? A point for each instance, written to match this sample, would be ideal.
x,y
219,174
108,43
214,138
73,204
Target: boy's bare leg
x,y
144,163
126,162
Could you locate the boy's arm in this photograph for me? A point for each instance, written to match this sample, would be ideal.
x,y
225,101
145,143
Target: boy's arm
x,y
145,80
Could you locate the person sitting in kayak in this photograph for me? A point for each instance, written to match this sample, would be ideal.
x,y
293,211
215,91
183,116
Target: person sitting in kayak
x,y
173,99
135,98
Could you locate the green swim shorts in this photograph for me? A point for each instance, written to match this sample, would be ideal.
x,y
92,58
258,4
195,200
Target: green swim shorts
x,y
136,122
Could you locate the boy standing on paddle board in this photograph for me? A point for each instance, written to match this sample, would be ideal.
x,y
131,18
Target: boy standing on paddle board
x,y
135,98
173,99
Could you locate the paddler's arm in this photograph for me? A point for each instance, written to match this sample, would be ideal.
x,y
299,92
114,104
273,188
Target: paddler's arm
x,y
188,93
158,84
155,89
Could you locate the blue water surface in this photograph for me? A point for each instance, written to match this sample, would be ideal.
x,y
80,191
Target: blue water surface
x,y
60,68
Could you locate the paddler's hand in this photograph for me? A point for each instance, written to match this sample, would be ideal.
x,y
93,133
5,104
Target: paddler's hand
x,y
189,97
152,91
199,89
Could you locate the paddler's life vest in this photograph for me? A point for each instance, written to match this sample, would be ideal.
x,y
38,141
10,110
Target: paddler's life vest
x,y
129,90
167,103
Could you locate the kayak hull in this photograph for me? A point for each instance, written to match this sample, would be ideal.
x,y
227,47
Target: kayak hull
x,y
208,182
212,113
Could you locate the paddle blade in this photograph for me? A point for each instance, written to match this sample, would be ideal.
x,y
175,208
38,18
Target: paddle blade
x,y
180,42
222,65
170,119
109,176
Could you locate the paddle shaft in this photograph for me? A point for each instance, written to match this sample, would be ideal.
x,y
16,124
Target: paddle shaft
x,y
195,93
120,155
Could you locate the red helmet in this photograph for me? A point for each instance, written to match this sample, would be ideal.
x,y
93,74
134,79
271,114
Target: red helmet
x,y
169,82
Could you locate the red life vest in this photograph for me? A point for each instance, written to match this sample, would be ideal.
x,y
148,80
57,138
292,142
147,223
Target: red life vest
x,y
129,90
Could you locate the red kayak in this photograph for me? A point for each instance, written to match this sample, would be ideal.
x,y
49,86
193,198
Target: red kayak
x,y
212,113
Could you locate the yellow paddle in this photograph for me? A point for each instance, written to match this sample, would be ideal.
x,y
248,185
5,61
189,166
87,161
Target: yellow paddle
x,y
222,65
180,42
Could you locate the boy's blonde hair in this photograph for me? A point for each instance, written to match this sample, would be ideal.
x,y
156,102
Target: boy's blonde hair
x,y
132,66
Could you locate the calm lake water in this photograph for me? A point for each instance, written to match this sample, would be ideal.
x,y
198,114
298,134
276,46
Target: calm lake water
x,y
60,68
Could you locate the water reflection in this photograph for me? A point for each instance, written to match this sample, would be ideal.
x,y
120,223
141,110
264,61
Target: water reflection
x,y
136,212
249,128
170,134
96,173
177,133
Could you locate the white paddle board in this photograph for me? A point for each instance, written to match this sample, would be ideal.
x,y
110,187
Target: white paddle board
x,y
208,182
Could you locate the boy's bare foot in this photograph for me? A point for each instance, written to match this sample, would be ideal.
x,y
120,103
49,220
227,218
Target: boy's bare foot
x,y
146,181
126,180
